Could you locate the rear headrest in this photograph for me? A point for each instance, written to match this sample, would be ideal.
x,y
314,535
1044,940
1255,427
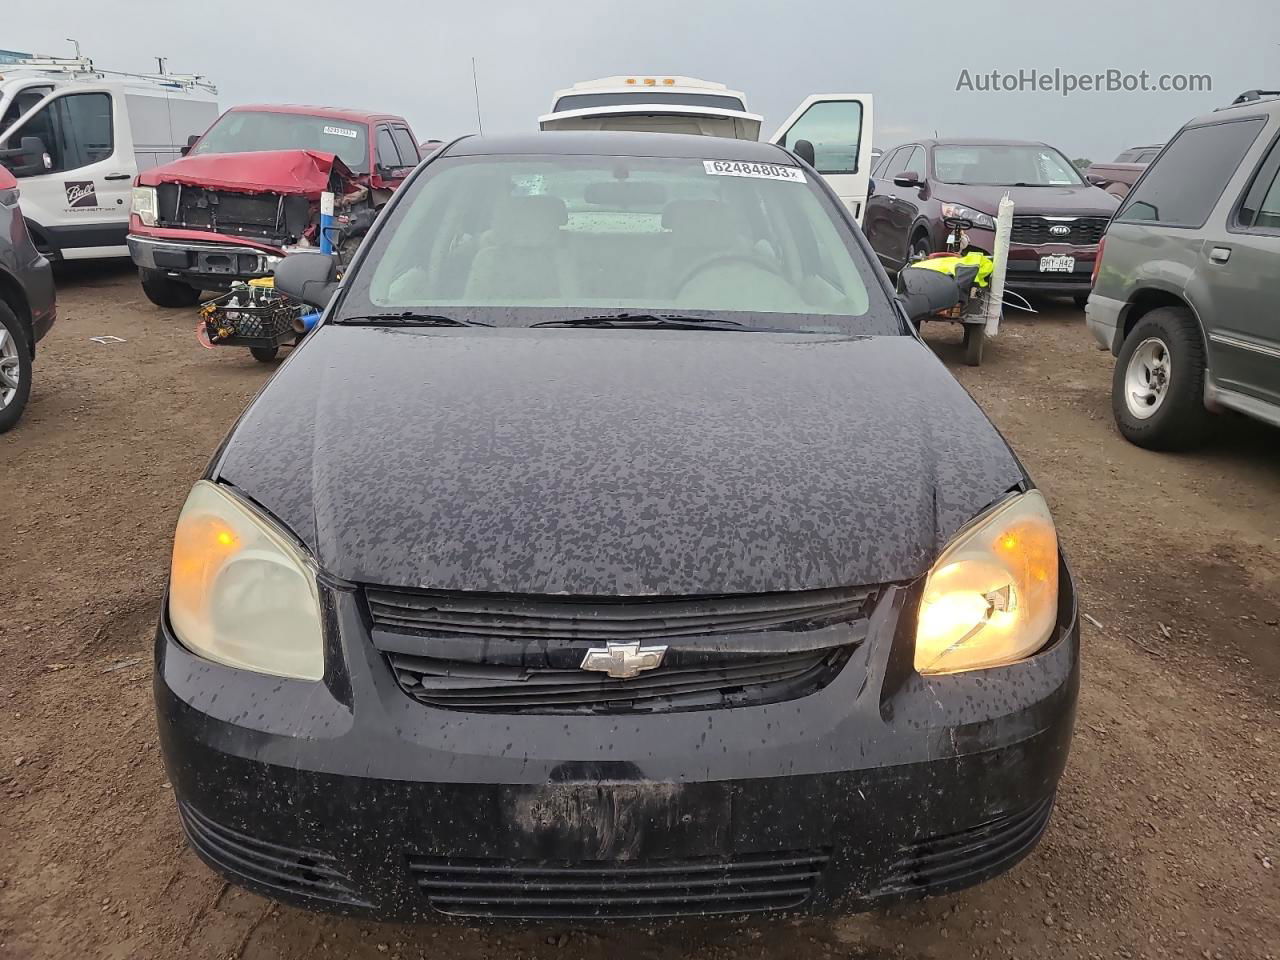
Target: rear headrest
x,y
529,221
702,222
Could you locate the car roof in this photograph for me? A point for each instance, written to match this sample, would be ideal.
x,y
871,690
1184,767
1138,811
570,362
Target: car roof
x,y
336,113
979,142
1264,106
618,143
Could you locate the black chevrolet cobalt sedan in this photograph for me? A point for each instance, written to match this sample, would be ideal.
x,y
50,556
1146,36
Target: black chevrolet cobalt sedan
x,y
613,548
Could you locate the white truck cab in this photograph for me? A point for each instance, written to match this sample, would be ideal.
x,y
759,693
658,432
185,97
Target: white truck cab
x,y
837,126
76,136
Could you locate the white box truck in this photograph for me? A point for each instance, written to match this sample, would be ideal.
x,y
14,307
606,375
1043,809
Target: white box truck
x,y
76,136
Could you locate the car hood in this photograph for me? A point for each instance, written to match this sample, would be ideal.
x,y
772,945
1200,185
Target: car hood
x,y
617,462
290,172
1073,201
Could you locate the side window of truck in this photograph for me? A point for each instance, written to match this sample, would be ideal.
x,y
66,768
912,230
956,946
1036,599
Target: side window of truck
x,y
76,130
388,157
407,148
21,103
1182,187
1260,209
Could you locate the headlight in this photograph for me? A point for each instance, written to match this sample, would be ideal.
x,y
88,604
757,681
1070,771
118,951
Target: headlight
x,y
979,219
992,597
240,592
143,204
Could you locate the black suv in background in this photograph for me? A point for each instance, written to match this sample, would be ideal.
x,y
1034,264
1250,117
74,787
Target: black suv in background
x,y
1058,216
27,304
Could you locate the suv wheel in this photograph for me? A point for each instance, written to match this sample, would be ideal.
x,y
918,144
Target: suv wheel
x,y
1157,389
15,368
165,291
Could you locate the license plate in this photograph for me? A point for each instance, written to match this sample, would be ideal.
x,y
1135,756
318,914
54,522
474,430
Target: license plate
x,y
1057,264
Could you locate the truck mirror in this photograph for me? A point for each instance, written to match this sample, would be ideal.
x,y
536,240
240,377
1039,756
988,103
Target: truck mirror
x,y
28,159
804,150
191,142
309,277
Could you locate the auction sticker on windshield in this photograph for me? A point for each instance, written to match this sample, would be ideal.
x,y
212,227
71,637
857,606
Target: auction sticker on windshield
x,y
342,132
761,171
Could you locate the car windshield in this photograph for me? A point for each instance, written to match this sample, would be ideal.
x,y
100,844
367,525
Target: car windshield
x,y
1004,166
252,131
513,241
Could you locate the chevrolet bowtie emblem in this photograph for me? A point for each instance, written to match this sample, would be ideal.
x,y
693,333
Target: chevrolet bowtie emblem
x,y
623,660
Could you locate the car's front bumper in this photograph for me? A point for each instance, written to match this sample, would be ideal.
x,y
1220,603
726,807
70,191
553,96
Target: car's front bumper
x,y
348,795
207,266
1024,274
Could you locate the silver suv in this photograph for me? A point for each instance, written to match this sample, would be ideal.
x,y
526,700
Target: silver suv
x,y
1187,288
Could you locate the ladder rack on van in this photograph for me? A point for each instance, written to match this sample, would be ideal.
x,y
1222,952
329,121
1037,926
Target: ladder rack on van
x,y
82,68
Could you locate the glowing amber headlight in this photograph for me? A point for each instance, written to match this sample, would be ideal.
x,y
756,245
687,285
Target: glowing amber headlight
x,y
240,592
992,597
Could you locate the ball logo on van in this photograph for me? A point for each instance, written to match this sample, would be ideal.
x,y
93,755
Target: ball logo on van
x,y
81,193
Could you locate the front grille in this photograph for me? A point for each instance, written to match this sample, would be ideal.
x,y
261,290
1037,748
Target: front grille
x,y
489,616
618,889
960,858
503,654
730,681
266,216
1083,231
282,869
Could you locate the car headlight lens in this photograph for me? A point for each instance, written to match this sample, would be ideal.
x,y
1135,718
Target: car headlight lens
x,y
983,221
240,592
143,204
992,597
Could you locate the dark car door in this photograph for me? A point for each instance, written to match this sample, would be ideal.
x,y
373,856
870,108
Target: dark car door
x,y
878,223
908,203
1243,267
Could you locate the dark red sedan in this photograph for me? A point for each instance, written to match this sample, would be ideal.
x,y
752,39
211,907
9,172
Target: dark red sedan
x,y
1058,218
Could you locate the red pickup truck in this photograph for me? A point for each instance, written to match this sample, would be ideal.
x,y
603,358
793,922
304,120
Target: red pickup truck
x,y
1119,176
248,191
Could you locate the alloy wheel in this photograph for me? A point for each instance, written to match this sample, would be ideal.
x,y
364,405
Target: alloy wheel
x,y
1146,378
10,367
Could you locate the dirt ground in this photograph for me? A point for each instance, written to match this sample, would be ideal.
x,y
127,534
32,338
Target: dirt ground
x,y
1166,838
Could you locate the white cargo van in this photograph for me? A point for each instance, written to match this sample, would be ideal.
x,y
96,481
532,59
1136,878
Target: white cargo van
x,y
837,126
75,137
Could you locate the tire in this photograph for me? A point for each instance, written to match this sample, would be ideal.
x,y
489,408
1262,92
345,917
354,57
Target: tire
x,y
975,338
15,368
1157,388
920,248
165,291
264,354
1080,299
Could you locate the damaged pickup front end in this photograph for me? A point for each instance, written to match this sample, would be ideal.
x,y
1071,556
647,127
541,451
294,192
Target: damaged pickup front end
x,y
208,221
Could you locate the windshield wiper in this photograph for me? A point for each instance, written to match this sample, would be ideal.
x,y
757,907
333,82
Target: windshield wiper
x,y
407,318
646,321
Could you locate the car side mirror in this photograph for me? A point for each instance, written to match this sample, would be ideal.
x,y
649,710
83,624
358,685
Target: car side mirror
x,y
1096,180
191,142
804,150
923,291
28,159
908,178
309,277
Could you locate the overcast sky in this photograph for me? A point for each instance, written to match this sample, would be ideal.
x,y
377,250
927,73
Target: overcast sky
x,y
414,58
